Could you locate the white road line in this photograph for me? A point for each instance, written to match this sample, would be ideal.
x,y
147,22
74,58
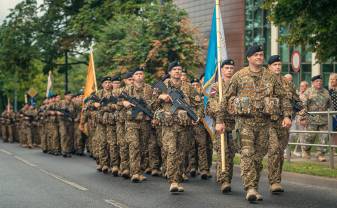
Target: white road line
x,y
6,152
115,204
75,185
25,161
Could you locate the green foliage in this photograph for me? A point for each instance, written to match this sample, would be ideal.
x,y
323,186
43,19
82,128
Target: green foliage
x,y
153,38
309,23
127,33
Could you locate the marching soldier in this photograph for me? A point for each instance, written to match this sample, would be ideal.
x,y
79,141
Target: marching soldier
x,y
279,136
253,96
224,178
138,125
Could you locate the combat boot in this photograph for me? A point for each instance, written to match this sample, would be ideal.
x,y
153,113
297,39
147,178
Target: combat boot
x,y
204,175
180,188
306,155
226,187
251,195
142,178
105,169
174,187
276,188
99,168
155,172
321,158
135,178
114,171
185,177
193,173
209,175
126,174
148,171
259,197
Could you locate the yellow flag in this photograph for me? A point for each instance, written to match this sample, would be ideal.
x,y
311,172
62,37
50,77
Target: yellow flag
x,y
90,85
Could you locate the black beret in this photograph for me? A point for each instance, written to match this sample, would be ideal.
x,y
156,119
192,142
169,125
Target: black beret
x,y
137,69
172,65
227,62
106,78
316,77
127,75
273,59
253,49
116,78
195,80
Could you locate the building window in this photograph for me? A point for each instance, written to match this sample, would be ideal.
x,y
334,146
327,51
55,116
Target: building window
x,y
257,27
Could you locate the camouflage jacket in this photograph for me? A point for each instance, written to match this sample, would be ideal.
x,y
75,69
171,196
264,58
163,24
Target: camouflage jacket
x,y
317,100
255,96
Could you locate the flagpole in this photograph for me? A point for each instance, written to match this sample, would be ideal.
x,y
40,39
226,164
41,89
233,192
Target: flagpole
x,y
93,64
223,140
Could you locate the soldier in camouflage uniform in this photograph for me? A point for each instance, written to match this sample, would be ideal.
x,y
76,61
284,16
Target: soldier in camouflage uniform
x,y
279,136
100,138
316,98
65,110
53,126
199,138
224,178
253,96
175,126
29,114
138,128
127,80
43,125
79,144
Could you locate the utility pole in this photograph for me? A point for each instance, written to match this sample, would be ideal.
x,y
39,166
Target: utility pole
x,y
66,72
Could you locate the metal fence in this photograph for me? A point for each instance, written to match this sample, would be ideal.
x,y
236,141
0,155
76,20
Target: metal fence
x,y
329,132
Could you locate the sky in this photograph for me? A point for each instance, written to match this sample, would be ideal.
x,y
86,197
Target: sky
x,y
5,5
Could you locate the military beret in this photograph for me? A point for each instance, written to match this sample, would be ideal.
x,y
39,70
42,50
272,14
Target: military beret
x,y
116,78
316,77
127,75
137,69
253,49
227,62
195,80
172,65
106,78
273,59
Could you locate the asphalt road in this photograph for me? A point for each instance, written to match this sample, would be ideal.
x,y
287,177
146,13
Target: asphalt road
x,y
31,179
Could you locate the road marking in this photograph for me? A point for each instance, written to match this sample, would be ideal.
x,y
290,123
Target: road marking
x,y
25,161
115,204
6,152
75,185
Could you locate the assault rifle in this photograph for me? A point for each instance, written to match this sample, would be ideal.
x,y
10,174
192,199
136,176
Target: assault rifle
x,y
297,107
139,106
178,101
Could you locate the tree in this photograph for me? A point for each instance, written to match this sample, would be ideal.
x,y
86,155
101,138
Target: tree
x,y
311,24
156,36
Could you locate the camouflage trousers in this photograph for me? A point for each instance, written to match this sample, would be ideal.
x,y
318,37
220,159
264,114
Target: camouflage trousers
x,y
27,137
53,139
309,138
4,133
154,150
174,140
254,134
43,137
123,146
200,147
278,141
112,145
227,174
66,129
137,135
78,139
10,133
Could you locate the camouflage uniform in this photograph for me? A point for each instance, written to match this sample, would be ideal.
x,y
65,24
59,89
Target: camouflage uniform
x,y
43,127
174,131
253,97
138,130
279,137
316,100
77,136
211,110
53,139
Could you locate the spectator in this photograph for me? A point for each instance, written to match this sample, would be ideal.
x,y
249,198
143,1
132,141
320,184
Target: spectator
x,y
289,78
316,98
